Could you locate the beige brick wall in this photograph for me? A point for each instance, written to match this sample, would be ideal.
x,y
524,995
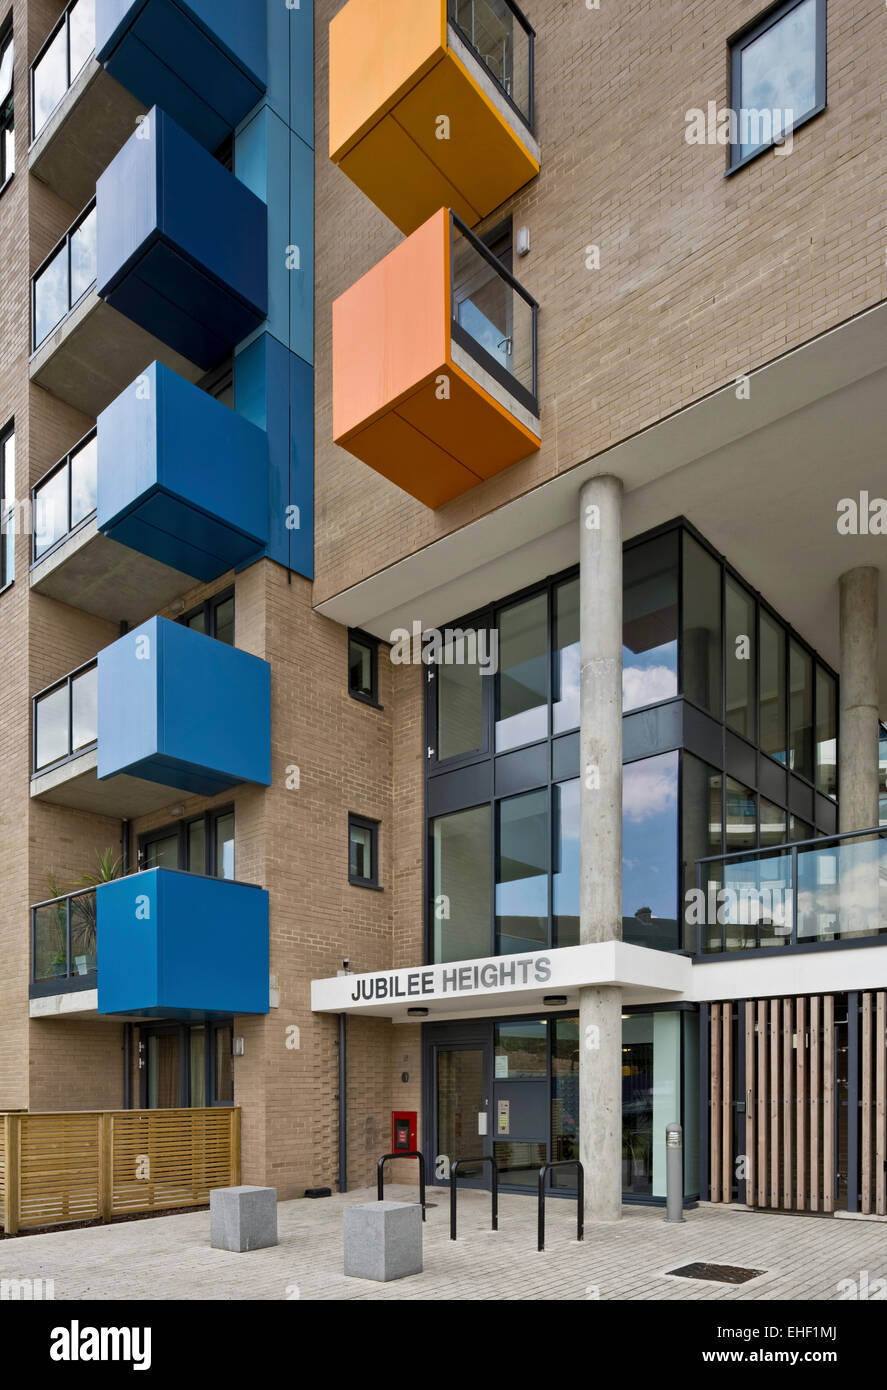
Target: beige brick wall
x,y
702,277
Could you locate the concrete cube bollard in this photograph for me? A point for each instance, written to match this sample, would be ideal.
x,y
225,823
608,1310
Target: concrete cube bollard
x,y
383,1240
242,1218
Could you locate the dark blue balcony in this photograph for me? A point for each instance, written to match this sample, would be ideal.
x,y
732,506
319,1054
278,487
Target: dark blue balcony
x,y
181,478
183,710
203,61
181,243
178,945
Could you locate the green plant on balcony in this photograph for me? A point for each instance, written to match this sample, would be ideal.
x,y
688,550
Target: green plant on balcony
x,y
108,867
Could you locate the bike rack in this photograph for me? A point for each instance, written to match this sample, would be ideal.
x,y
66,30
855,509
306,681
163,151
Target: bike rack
x,y
380,1179
454,1173
580,1206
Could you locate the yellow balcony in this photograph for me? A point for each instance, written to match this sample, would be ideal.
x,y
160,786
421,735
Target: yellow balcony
x,y
431,105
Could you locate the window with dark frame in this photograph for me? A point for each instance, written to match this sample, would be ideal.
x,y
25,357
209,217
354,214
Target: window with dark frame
x,y
214,617
777,77
7,506
363,852
363,667
202,844
7,109
219,383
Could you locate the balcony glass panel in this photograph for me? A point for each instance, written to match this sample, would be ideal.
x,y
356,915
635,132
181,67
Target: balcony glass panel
x,y
494,31
61,60
50,952
64,922
83,482
52,727
491,313
66,276
84,708
50,79
842,890
50,511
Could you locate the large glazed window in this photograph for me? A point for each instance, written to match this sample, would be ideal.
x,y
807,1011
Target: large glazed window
x,y
7,109
702,627
739,608
772,687
461,885
522,874
800,711
460,698
565,675
523,674
650,852
565,870
650,622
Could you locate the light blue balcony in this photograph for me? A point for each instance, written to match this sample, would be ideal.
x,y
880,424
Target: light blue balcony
x,y
179,945
203,61
181,244
183,710
181,478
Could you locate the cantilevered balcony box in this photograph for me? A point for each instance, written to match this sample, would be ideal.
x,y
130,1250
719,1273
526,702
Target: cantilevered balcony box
x,y
431,105
183,710
181,243
181,478
203,61
434,365
179,945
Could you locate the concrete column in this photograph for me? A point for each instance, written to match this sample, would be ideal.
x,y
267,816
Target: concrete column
x,y
600,805
858,732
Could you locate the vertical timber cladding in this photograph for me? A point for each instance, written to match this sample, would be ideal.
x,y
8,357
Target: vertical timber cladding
x,y
798,1102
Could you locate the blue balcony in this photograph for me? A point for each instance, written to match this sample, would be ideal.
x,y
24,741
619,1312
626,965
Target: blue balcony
x,y
183,710
181,243
203,61
179,945
181,478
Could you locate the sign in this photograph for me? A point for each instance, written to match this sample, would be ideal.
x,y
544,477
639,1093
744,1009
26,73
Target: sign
x,y
501,1068
503,1118
508,973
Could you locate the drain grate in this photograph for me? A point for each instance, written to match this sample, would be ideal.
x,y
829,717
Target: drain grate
x,y
718,1274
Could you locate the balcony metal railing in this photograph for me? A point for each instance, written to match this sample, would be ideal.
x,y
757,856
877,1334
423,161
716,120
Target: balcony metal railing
x,y
64,498
502,38
67,274
493,317
70,44
65,718
810,894
63,939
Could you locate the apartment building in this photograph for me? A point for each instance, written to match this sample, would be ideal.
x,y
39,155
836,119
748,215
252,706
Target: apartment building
x,y
445,617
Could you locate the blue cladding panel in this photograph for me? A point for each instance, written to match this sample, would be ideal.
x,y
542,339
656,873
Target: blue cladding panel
x,y
161,258
182,946
203,61
181,477
183,710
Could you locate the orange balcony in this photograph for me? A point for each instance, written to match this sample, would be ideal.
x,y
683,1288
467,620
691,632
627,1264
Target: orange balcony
x,y
431,105
434,364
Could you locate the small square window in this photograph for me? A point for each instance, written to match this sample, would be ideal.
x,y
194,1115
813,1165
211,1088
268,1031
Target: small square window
x,y
777,77
363,852
363,668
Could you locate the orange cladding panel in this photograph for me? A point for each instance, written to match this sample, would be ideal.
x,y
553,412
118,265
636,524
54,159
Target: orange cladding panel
x,y
482,157
378,50
397,175
391,329
410,459
469,425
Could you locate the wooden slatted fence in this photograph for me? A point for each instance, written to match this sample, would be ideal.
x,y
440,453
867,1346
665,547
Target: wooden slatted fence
x,y
87,1165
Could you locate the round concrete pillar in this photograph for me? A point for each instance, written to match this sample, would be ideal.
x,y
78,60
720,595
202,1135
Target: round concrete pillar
x,y
858,733
600,804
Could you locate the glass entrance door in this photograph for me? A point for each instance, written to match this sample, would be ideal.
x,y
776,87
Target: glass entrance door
x,y
462,1085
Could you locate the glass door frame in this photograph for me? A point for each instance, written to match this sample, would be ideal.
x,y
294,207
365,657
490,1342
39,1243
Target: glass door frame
x,y
455,1037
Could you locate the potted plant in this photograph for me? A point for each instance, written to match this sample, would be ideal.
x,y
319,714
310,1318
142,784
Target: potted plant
x,y
108,867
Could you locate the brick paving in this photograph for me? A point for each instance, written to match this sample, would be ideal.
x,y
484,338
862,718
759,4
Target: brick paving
x,y
804,1258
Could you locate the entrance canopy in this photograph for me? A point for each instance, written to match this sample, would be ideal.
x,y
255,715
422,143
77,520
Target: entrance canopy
x,y
505,984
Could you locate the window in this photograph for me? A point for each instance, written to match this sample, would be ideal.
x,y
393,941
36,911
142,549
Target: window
x,y
523,674
460,885
363,852
650,623
565,676
199,845
363,668
650,852
461,685
826,733
65,497
186,1065
66,718
777,76
740,647
7,114
800,711
522,874
7,507
772,695
214,618
702,627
